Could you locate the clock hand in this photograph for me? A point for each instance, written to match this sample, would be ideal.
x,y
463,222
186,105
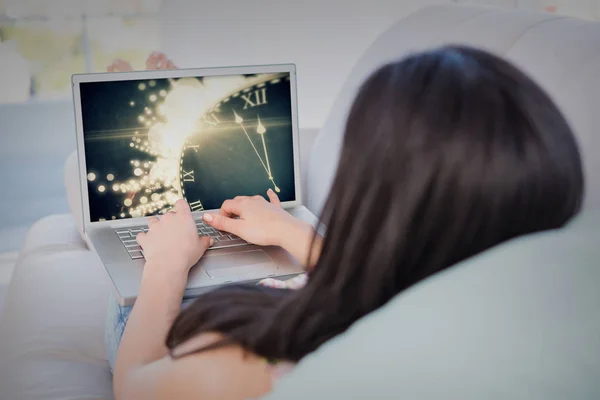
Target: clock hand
x,y
261,130
239,120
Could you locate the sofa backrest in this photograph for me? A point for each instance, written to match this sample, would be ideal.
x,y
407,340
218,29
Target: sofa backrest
x,y
519,321
562,54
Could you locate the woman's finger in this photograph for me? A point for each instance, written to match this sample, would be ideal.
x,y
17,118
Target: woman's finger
x,y
181,206
231,207
206,242
140,238
151,221
273,198
223,223
226,214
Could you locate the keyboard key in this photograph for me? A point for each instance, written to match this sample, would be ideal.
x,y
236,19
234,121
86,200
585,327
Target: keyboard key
x,y
124,234
136,254
213,234
129,242
133,247
135,231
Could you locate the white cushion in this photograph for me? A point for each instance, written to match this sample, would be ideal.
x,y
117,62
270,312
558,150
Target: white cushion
x,y
520,321
560,53
52,328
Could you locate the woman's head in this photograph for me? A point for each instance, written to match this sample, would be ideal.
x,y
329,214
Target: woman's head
x,y
446,153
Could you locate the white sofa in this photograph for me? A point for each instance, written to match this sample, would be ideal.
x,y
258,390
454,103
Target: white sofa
x,y
519,321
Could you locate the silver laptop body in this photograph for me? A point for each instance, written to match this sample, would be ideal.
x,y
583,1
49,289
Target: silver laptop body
x,y
145,139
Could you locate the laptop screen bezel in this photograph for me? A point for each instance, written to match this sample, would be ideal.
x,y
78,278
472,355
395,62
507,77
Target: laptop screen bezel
x,y
77,79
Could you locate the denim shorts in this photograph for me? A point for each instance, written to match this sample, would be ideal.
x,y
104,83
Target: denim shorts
x,y
116,319
117,316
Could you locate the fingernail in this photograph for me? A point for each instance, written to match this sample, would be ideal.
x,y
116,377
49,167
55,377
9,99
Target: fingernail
x,y
212,241
207,217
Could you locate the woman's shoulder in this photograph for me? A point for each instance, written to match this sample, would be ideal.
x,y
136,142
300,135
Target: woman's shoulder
x,y
227,373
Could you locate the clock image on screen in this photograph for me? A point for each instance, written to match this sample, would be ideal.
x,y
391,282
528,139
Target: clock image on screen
x,y
149,143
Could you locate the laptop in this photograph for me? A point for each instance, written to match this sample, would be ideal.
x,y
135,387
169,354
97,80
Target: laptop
x,y
146,139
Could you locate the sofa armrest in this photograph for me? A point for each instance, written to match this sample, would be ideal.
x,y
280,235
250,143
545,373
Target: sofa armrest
x,y
52,325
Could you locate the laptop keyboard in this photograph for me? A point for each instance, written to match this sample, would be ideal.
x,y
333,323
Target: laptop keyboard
x,y
222,239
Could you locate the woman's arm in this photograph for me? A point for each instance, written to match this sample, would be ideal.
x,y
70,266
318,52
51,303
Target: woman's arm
x,y
267,224
143,342
205,375
297,239
171,247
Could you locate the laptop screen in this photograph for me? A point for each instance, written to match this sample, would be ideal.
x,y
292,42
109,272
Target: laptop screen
x,y
207,139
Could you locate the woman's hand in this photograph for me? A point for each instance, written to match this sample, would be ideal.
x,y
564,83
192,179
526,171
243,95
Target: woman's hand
x,y
172,243
267,224
259,222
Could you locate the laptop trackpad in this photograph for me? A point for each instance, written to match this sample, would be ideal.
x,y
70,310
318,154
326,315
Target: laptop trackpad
x,y
253,262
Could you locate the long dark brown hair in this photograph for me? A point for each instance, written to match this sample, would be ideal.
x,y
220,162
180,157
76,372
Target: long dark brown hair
x,y
446,153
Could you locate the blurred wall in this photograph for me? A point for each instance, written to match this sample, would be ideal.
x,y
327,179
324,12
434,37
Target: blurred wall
x,y
35,140
323,38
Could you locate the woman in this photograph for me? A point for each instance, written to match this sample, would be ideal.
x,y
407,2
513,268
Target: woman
x,y
446,154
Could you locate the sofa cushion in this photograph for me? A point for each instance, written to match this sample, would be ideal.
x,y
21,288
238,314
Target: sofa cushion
x,y
519,321
51,331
